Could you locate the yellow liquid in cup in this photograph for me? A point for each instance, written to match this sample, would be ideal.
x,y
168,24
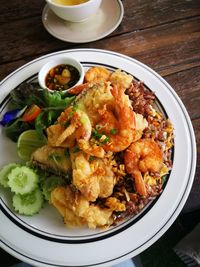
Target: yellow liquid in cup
x,y
69,2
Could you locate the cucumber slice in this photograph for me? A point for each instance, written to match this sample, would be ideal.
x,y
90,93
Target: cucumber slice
x,y
4,173
28,204
49,184
22,180
28,142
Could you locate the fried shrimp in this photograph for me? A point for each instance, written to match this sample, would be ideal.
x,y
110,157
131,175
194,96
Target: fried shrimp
x,y
91,149
78,127
94,179
118,124
77,210
97,74
142,156
78,88
100,74
93,99
122,78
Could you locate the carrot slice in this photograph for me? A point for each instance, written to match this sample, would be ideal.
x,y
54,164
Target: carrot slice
x,y
31,113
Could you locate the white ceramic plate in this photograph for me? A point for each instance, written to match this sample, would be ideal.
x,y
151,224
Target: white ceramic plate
x,y
103,23
43,240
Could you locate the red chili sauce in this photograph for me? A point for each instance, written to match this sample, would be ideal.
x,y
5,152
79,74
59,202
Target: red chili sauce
x,y
62,77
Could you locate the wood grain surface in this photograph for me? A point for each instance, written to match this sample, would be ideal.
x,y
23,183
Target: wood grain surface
x,y
164,34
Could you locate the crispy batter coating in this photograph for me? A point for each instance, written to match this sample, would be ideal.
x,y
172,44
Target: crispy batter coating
x,y
121,78
52,158
78,211
114,204
94,179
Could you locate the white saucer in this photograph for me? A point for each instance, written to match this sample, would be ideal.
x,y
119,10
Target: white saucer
x,y
105,21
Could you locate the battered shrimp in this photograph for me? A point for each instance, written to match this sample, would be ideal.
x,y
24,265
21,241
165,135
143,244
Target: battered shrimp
x,y
93,99
91,149
122,78
97,74
78,89
78,127
142,156
118,124
108,121
92,178
77,210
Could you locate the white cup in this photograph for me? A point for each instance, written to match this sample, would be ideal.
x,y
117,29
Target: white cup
x,y
75,13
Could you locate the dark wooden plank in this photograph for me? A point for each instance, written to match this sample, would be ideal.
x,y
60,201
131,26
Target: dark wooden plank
x,y
32,39
142,14
187,86
162,47
8,68
138,14
166,46
193,201
179,68
16,9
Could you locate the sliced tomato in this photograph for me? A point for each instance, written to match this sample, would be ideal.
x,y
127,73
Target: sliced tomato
x,y
31,113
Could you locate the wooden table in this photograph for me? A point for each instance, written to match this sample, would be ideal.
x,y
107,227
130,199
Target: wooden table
x,y
164,34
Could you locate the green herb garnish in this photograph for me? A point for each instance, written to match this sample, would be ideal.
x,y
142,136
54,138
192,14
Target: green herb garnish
x,y
105,140
91,158
113,131
96,134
